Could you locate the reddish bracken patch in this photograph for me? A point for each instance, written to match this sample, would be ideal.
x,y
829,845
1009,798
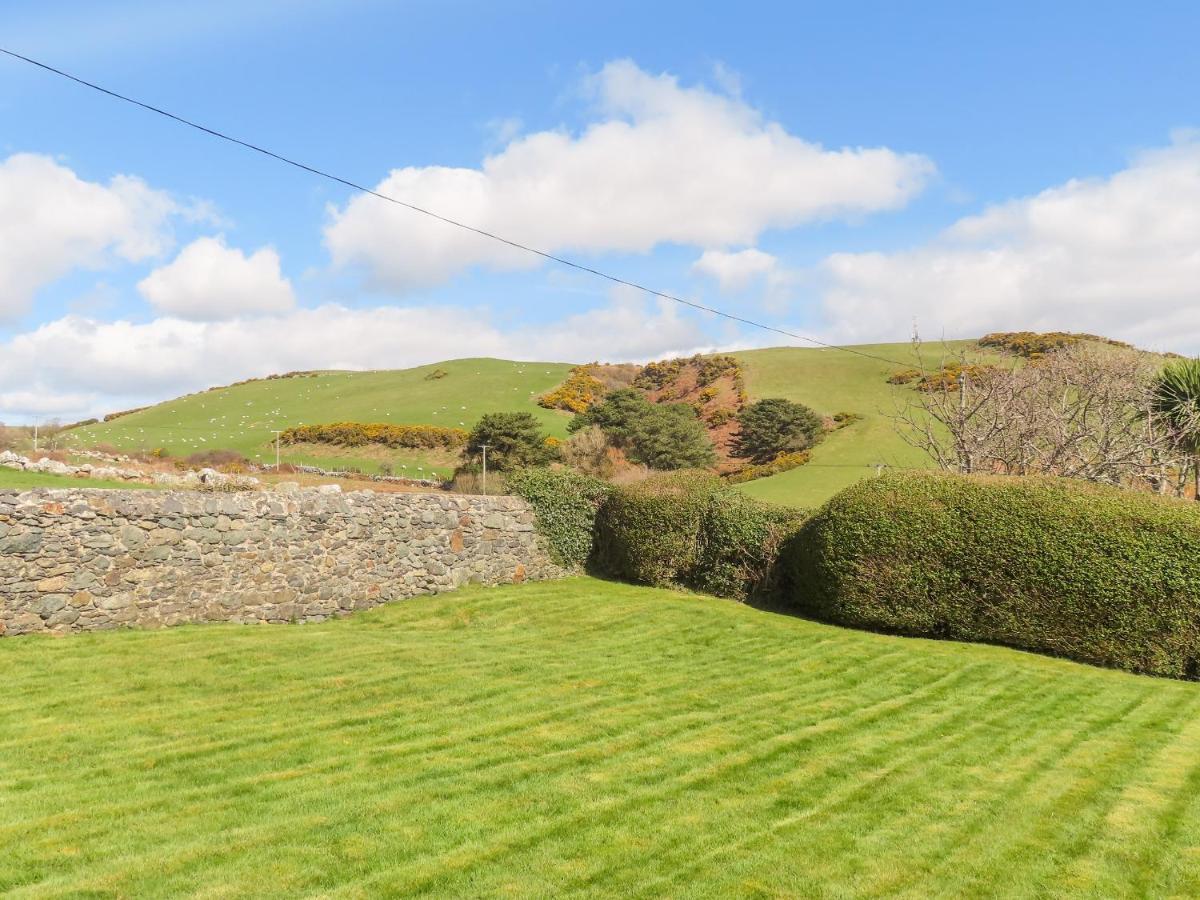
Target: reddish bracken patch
x,y
713,386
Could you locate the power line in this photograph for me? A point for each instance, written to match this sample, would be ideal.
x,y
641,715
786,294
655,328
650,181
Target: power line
x,y
426,212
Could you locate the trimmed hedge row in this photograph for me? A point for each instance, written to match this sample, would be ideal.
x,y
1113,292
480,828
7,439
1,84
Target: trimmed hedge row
x,y
355,434
681,528
1095,574
690,529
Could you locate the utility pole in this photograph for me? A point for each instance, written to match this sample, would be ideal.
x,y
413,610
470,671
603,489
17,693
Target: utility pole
x,y
277,433
484,448
962,419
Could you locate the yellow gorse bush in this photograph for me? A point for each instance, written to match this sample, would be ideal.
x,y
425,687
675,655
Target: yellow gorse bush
x,y
356,434
577,394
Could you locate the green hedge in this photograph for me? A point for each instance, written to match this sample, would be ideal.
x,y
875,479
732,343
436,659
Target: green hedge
x,y
738,548
566,504
649,532
1094,574
690,529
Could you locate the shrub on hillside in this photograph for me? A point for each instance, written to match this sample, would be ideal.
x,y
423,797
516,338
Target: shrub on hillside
x,y
771,427
1035,345
581,389
82,423
219,459
124,412
946,378
662,436
656,375
514,441
566,504
1091,573
904,376
784,462
710,368
356,434
688,528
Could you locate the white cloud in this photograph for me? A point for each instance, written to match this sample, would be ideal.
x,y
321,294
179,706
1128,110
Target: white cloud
x,y
738,272
76,366
209,281
664,164
1118,256
735,272
52,221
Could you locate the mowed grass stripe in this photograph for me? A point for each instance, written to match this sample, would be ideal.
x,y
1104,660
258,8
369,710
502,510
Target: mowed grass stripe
x,y
655,785
883,774
190,795
583,738
252,739
998,833
1013,771
1073,811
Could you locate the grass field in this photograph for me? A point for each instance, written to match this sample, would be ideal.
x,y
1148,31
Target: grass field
x,y
242,417
411,463
832,381
582,738
15,478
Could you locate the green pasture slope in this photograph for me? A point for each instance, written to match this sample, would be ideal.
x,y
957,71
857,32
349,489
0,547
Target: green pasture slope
x,y
242,417
833,381
584,738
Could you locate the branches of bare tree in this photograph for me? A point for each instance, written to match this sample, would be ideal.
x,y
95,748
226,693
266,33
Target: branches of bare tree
x,y
1082,412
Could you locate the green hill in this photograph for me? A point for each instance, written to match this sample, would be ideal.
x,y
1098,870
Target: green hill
x,y
242,417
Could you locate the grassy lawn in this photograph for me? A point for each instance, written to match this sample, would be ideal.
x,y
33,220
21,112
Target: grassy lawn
x,y
15,478
585,738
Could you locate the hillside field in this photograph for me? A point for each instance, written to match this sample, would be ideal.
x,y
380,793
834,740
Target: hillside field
x,y
833,381
242,417
584,738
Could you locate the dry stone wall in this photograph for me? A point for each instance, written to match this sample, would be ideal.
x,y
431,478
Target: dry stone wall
x,y
76,560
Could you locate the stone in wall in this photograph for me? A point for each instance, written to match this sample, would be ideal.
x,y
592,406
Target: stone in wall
x,y
75,559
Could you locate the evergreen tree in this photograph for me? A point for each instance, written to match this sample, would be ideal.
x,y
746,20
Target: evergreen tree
x,y
773,426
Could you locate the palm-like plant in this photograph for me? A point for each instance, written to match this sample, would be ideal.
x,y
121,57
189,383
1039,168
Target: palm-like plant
x,y
1176,401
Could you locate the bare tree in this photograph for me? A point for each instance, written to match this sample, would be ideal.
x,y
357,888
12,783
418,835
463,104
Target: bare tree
x,y
1082,412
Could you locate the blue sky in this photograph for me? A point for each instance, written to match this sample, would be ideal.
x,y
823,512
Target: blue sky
x,y
836,169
